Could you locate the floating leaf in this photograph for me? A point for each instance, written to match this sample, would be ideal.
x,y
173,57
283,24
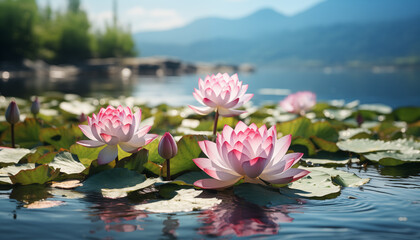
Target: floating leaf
x,y
189,178
407,114
26,133
300,127
38,175
12,155
349,133
394,158
324,144
62,137
186,200
135,161
44,204
42,155
367,145
379,108
122,192
86,155
323,130
76,107
338,114
112,178
13,170
262,195
69,184
317,184
304,142
67,163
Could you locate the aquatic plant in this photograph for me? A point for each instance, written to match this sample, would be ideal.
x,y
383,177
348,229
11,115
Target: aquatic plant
x,y
115,127
35,107
299,102
12,116
167,149
221,93
249,153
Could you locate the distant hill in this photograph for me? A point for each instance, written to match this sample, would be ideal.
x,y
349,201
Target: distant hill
x,y
335,31
327,13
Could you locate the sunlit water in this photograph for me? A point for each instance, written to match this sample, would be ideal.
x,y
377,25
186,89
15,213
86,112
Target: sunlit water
x,y
387,207
399,88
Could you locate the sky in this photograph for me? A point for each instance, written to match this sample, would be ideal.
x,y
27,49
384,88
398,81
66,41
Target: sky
x,y
156,15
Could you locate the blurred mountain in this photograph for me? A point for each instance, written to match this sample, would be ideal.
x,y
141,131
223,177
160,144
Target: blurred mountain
x,y
332,31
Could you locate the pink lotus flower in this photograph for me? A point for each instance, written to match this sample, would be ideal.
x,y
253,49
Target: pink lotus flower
x,y
115,127
222,93
299,102
250,153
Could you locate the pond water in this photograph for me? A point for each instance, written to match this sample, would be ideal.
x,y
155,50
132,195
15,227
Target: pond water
x,y
396,88
385,208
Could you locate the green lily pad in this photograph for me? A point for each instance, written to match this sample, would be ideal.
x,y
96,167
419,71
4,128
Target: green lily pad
x,y
351,132
38,175
62,137
123,192
394,158
407,114
324,144
42,155
13,170
367,145
110,179
26,134
12,155
262,195
311,150
86,155
186,200
67,163
300,127
135,161
348,179
190,178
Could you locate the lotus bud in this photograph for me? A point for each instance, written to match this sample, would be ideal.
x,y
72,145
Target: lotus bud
x,y
167,146
12,113
35,107
82,118
359,119
167,149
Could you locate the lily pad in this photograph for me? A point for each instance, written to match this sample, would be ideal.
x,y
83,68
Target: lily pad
x,y
69,184
367,145
26,134
190,177
38,175
112,178
12,155
67,163
62,137
76,107
135,161
186,200
379,108
13,170
86,155
349,133
338,114
123,192
42,155
394,158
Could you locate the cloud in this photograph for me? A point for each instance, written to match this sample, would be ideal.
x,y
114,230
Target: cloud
x,y
142,19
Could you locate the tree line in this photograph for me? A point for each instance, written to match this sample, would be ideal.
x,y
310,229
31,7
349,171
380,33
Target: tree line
x,y
28,31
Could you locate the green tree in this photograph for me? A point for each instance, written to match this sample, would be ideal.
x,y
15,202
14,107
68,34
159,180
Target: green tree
x,y
17,35
115,42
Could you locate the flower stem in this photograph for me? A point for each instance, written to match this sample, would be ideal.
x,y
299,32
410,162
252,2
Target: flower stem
x,y
168,170
216,118
13,135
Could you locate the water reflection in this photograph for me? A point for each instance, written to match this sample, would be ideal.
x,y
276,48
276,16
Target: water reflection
x,y
117,215
243,219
